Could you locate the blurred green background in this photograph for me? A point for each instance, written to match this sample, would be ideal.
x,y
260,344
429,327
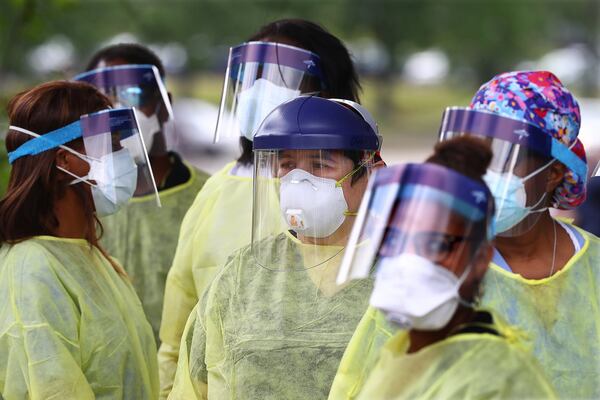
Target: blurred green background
x,y
415,57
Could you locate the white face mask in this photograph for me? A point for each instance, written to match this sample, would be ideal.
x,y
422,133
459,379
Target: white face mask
x,y
511,198
312,206
115,175
149,126
415,293
256,102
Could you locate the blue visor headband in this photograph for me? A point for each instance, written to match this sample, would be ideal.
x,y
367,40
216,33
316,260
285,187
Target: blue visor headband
x,y
482,123
121,75
276,54
470,194
468,198
121,120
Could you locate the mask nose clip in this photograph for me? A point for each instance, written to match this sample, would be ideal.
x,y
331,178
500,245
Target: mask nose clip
x,y
298,181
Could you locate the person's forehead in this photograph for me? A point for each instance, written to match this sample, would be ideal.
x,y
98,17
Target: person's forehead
x,y
332,155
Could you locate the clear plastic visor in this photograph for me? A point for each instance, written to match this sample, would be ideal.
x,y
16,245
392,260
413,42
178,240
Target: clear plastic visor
x,y
520,167
307,199
408,217
111,139
259,77
139,86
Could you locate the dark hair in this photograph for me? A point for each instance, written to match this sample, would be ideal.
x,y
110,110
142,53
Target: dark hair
x,y
27,208
336,64
469,156
358,157
132,53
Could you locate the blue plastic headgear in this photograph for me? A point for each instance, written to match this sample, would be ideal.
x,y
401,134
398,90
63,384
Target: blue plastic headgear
x,y
121,75
48,141
315,123
485,123
277,54
122,119
465,196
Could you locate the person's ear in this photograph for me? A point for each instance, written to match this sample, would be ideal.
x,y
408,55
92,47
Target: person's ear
x,y
556,176
378,164
61,159
66,160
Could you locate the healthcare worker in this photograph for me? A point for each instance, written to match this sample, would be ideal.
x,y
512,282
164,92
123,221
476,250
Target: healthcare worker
x,y
273,323
427,229
141,236
281,61
71,325
543,277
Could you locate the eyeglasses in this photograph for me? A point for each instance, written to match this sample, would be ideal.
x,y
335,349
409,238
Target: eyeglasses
x,y
435,246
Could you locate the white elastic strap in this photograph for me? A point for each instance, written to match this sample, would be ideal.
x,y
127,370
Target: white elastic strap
x,y
77,178
461,280
537,171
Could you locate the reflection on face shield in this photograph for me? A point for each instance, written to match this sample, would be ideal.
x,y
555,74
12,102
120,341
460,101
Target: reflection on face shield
x,y
434,246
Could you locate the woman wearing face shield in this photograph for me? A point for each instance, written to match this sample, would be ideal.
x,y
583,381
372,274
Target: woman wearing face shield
x,y
142,236
273,323
283,60
543,275
427,229
71,325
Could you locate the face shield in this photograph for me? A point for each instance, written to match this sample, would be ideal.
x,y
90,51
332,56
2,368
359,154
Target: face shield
x,y
316,193
422,226
418,212
518,173
114,150
312,160
141,87
259,77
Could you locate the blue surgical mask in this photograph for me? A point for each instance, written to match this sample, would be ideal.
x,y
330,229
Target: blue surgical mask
x,y
256,102
511,198
115,177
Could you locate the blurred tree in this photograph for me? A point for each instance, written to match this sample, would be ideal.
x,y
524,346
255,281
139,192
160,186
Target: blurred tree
x,y
485,36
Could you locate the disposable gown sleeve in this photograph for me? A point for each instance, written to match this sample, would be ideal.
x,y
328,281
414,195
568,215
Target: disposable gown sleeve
x,y
42,343
202,344
180,299
183,388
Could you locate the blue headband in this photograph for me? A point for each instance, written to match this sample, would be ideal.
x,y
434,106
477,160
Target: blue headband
x,y
47,141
